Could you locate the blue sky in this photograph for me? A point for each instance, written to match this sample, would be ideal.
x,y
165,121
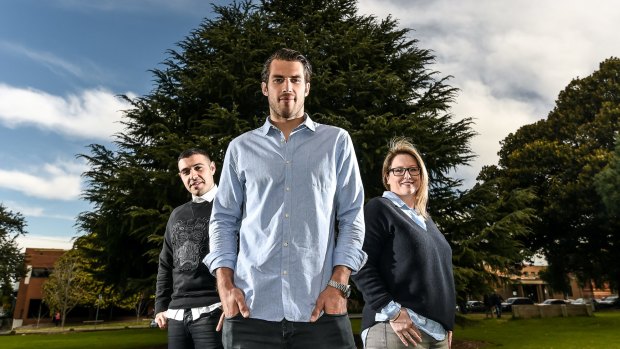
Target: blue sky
x,y
62,62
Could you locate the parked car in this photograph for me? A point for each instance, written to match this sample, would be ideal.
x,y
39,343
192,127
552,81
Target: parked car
x,y
609,302
587,301
475,307
584,301
507,305
552,301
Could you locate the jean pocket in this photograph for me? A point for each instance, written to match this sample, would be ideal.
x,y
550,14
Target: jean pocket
x,y
234,317
336,315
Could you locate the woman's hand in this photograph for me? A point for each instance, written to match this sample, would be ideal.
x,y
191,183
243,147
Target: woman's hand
x,y
404,328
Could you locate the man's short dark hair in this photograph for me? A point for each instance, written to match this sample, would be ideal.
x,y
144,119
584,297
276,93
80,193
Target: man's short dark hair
x,y
286,54
193,151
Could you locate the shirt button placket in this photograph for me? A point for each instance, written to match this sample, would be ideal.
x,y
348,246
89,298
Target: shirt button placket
x,y
286,225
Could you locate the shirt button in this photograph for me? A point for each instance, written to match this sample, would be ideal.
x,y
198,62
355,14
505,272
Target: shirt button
x,y
285,243
284,272
288,189
288,161
286,215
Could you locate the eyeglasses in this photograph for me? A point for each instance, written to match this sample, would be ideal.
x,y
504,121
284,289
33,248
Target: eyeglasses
x,y
400,171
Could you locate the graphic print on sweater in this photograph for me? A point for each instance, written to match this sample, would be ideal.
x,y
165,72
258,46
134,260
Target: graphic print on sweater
x,y
189,242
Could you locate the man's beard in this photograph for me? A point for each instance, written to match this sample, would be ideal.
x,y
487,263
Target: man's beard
x,y
288,114
285,114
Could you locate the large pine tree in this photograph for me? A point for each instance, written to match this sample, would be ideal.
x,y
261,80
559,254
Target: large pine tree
x,y
559,158
371,78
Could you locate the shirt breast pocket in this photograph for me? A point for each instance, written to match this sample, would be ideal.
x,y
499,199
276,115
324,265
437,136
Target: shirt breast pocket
x,y
322,179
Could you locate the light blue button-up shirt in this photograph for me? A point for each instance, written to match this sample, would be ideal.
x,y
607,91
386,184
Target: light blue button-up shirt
x,y
281,199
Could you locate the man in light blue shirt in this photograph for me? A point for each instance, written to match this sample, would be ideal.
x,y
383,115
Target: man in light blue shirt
x,y
283,189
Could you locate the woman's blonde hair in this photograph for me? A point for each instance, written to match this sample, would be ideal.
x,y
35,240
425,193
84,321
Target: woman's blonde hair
x,y
400,145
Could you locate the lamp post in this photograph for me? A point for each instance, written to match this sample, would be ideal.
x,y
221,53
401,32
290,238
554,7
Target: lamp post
x,y
97,313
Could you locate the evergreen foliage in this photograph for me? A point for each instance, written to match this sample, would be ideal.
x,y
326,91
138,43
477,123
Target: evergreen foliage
x,y
559,159
12,265
370,78
487,227
608,181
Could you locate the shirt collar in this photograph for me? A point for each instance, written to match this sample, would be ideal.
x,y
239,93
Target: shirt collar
x,y
208,196
311,125
397,201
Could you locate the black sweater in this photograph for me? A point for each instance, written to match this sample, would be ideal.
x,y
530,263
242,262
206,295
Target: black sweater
x,y
183,281
406,264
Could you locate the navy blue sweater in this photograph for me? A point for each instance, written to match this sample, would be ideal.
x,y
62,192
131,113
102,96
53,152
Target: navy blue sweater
x,y
406,264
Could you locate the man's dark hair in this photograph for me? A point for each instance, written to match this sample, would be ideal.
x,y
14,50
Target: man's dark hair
x,y
193,151
286,54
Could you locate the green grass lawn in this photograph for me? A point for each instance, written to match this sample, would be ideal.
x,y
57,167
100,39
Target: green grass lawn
x,y
144,338
600,331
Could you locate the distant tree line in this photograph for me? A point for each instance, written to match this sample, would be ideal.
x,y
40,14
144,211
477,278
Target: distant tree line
x,y
12,264
571,162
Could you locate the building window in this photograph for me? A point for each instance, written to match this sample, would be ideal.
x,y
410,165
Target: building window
x,y
38,310
40,272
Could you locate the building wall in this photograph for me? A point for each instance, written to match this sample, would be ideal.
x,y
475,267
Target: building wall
x,y
40,263
529,284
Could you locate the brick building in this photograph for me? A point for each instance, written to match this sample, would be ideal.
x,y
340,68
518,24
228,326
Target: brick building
x,y
530,284
28,305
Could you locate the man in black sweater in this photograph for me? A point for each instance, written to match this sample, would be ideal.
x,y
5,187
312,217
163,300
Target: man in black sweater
x,y
186,300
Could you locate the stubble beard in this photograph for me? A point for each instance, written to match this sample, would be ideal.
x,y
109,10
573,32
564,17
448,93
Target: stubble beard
x,y
286,115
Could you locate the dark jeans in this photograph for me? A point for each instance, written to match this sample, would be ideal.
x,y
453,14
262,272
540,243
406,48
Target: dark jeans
x,y
195,334
328,332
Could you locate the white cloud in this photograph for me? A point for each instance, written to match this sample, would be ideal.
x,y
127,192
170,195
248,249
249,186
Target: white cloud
x,y
25,210
34,211
91,114
59,181
494,117
509,58
48,59
86,70
41,241
191,7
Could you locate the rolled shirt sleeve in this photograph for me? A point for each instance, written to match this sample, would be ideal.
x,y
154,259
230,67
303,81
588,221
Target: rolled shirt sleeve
x,y
349,206
225,218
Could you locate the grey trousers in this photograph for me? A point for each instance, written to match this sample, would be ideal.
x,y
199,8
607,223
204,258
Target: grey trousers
x,y
382,336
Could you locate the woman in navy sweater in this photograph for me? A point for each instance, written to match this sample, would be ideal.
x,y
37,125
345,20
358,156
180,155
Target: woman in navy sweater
x,y
407,282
